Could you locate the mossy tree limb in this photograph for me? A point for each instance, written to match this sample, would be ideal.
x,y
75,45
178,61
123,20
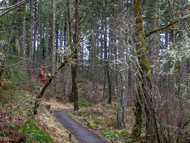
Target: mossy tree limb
x,y
167,26
49,80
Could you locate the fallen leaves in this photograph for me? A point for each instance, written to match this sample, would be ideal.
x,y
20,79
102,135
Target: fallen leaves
x,y
7,129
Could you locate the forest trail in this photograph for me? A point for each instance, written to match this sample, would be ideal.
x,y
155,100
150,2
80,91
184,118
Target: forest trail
x,y
82,134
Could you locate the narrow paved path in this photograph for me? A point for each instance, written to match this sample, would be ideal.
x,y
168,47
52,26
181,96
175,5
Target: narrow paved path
x,y
82,134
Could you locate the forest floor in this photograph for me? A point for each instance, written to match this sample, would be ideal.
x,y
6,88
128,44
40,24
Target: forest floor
x,y
17,104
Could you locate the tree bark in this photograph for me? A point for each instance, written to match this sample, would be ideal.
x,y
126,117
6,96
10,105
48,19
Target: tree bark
x,y
52,44
68,80
74,65
120,119
144,79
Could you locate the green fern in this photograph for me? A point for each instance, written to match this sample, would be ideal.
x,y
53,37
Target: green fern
x,y
33,133
113,134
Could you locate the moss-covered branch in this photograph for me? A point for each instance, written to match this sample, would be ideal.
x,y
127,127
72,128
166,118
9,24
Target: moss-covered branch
x,y
170,24
50,78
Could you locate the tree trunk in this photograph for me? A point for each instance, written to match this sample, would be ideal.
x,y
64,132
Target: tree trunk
x,y
47,35
39,53
120,119
52,45
30,41
74,65
68,81
144,79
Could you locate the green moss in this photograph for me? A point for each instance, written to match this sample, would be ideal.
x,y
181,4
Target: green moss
x,y
138,123
139,19
173,29
149,76
140,8
91,125
140,39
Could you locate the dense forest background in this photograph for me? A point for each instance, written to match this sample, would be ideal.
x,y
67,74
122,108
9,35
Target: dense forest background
x,y
137,50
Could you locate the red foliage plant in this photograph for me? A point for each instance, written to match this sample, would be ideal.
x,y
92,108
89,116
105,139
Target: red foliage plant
x,y
42,75
2,83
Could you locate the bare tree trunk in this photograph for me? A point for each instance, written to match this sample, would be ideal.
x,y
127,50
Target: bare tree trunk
x,y
39,53
34,42
120,119
23,35
30,41
52,44
74,65
68,81
47,34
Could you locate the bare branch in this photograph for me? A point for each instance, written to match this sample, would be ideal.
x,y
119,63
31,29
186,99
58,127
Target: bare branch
x,y
17,5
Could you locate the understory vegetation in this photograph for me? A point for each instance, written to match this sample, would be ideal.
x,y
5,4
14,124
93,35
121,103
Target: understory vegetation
x,y
120,67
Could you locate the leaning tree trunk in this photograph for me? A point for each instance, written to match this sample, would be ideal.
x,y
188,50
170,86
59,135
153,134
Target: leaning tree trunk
x,y
49,80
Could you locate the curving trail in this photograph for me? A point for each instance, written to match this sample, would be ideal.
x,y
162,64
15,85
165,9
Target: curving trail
x,y
82,134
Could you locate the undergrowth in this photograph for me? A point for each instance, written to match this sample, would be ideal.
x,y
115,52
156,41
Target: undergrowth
x,y
114,134
32,133
84,102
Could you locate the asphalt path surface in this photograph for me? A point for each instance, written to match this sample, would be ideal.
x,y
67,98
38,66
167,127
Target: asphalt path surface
x,y
82,134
